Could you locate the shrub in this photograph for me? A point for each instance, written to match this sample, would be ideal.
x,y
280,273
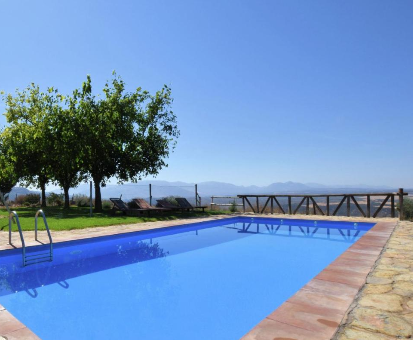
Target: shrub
x,y
55,199
408,208
233,207
32,199
20,200
132,205
81,200
171,199
106,204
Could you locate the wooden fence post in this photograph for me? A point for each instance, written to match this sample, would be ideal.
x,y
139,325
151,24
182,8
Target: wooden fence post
x,y
348,206
401,194
368,206
328,206
307,210
289,206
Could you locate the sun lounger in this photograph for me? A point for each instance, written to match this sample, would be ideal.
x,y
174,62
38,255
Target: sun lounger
x,y
168,205
183,203
142,204
119,205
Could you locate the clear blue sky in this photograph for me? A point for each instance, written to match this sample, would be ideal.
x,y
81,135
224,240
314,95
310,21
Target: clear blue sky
x,y
265,91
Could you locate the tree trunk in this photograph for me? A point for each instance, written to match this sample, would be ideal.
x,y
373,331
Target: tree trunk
x,y
67,198
98,197
43,187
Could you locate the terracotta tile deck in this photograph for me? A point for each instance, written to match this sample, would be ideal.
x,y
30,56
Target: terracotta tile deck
x,y
314,312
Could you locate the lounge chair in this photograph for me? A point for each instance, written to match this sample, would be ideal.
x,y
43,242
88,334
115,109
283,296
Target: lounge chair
x,y
142,204
183,203
119,205
168,205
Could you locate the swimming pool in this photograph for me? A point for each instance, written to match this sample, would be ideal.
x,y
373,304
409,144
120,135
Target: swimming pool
x,y
209,280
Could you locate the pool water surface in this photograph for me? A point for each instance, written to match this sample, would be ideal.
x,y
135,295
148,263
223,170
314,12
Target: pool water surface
x,y
208,280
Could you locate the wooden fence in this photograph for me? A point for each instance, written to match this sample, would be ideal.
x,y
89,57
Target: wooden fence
x,y
309,202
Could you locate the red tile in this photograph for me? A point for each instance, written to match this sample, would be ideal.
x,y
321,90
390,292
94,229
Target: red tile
x,y
330,303
375,238
343,276
8,323
354,255
365,249
355,261
337,266
312,318
331,288
368,242
274,330
23,333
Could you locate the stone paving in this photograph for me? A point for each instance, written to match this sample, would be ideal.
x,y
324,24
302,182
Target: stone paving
x,y
383,309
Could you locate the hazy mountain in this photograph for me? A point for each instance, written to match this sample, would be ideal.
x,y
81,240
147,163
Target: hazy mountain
x,y
208,189
17,191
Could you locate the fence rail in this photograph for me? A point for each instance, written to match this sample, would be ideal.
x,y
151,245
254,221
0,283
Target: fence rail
x,y
212,204
309,200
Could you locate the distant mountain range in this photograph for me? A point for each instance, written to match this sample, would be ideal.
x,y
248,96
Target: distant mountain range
x,y
208,189
17,191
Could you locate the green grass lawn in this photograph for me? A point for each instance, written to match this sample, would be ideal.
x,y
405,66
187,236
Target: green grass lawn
x,y
78,218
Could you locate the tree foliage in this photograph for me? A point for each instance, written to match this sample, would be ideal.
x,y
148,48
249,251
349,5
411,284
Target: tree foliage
x,y
62,129
68,139
125,135
8,175
25,137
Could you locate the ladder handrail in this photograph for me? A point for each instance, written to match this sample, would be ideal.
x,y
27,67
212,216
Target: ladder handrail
x,y
28,258
14,214
40,211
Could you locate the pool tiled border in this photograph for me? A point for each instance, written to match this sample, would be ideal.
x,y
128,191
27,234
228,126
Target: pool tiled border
x,y
314,312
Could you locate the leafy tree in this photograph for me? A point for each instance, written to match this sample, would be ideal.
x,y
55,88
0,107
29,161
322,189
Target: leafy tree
x,y
66,140
42,132
25,136
8,175
125,135
55,199
62,129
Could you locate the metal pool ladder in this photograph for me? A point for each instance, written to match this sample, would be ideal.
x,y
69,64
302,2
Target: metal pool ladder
x,y
35,258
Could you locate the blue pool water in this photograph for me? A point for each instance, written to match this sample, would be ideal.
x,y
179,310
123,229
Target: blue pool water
x,y
211,280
